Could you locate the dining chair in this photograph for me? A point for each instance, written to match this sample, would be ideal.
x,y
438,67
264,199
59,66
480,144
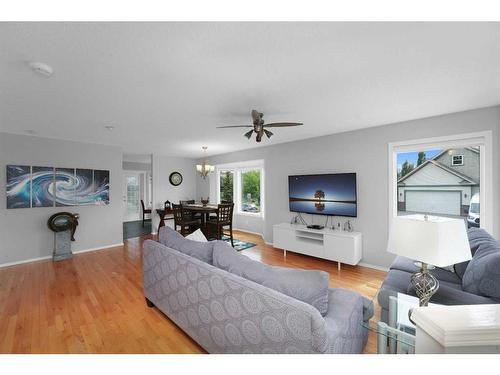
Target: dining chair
x,y
224,219
145,211
183,219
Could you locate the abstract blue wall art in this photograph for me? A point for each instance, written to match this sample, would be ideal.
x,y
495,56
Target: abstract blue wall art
x,y
101,181
84,189
18,186
48,186
65,187
42,186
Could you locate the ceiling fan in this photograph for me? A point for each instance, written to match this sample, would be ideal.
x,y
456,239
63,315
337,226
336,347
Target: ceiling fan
x,y
259,128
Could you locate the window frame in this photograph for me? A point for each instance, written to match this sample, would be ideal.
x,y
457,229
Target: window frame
x,y
238,169
481,139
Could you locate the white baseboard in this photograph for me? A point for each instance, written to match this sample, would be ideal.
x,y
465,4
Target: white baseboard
x,y
15,263
248,231
98,248
8,264
269,243
367,265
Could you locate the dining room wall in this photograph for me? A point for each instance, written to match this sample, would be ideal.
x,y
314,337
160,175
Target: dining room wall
x,y
162,167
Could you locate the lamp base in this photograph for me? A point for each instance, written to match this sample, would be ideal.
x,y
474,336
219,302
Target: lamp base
x,y
425,284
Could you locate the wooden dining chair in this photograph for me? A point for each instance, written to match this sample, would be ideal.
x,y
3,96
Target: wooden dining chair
x,y
224,219
183,219
145,211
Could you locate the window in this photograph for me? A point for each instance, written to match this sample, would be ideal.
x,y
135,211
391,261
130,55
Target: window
x,y
457,160
427,185
445,176
243,184
250,191
226,186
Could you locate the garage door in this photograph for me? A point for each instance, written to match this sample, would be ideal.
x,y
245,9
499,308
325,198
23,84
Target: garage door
x,y
434,202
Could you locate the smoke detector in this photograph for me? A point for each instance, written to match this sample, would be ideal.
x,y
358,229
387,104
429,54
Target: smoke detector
x,y
42,68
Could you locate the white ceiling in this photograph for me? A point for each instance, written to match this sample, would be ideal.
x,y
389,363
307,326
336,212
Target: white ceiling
x,y
166,86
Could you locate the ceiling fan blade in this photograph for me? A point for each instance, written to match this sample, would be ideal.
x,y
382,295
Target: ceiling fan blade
x,y
235,126
268,133
282,124
258,138
248,134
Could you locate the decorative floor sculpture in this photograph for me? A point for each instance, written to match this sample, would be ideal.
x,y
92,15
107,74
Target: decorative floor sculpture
x,y
63,224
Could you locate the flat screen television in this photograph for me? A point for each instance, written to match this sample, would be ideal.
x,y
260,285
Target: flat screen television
x,y
323,194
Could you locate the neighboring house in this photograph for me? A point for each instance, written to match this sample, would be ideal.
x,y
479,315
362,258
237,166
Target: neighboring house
x,y
442,185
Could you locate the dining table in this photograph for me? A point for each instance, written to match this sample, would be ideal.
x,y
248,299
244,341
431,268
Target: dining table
x,y
204,209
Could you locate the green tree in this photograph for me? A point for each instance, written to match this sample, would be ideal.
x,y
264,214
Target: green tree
x,y
226,186
406,168
421,158
251,187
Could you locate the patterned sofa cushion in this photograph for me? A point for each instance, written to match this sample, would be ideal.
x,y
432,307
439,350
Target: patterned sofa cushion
x,y
199,250
482,275
307,286
476,237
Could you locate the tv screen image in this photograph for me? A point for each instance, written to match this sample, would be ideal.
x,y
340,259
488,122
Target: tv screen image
x,y
323,194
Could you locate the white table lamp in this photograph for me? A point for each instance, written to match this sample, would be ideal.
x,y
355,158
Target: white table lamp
x,y
431,240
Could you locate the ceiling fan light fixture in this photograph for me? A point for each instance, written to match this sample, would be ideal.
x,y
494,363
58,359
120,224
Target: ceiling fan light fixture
x,y
204,169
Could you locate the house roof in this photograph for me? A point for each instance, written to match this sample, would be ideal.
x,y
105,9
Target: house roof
x,y
468,179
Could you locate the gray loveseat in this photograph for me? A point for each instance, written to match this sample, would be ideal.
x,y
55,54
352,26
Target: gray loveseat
x,y
469,283
227,313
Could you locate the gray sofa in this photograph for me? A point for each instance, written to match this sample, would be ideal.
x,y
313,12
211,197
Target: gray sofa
x,y
227,313
468,283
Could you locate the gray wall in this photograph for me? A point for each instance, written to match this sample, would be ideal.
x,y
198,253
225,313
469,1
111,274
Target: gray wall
x,y
364,152
163,190
134,166
23,232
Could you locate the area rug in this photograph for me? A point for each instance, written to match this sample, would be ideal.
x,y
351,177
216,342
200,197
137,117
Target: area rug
x,y
238,244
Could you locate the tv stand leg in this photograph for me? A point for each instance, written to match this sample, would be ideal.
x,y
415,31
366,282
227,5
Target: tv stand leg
x,y
338,266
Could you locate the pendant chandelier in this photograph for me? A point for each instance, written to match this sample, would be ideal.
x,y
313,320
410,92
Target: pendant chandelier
x,y
204,168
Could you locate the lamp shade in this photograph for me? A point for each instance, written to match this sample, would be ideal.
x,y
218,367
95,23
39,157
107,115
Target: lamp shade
x,y
434,240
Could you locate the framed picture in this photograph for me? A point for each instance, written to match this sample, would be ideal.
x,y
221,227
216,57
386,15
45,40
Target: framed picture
x,y
101,182
18,186
42,186
84,189
65,184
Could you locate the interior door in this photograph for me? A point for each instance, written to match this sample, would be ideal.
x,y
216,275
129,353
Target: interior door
x,y
132,196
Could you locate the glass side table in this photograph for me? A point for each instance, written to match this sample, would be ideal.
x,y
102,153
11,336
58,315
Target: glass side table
x,y
398,335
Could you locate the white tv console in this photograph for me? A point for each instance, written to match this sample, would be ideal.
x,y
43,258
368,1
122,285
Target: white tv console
x,y
336,245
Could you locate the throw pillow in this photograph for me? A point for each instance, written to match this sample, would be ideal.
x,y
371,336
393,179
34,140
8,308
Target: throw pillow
x,y
482,275
197,235
307,286
476,237
173,239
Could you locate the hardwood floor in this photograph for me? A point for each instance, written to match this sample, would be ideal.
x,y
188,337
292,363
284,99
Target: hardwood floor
x,y
94,302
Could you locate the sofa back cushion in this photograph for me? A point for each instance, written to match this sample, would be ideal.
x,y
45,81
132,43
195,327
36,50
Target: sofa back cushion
x,y
482,275
199,250
476,237
307,286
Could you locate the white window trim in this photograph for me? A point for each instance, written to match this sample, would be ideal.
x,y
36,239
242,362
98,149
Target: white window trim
x,y
453,164
481,139
237,168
